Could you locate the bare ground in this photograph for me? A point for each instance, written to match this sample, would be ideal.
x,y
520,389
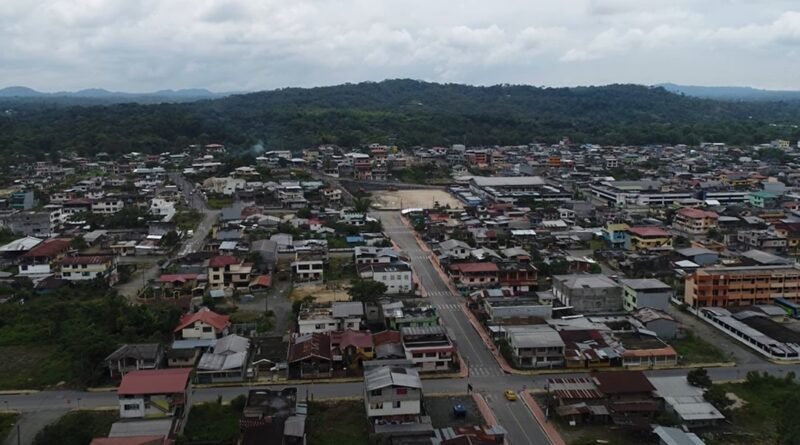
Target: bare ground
x,y
414,198
322,293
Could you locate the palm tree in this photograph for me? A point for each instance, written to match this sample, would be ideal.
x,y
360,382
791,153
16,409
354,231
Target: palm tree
x,y
362,205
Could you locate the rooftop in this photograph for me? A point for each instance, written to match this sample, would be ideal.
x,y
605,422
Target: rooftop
x,y
585,281
156,381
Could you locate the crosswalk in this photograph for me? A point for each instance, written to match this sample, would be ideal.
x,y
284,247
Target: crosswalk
x,y
448,307
420,257
440,293
485,371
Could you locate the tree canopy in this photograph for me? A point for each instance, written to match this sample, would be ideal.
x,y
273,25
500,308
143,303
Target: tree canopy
x,y
366,290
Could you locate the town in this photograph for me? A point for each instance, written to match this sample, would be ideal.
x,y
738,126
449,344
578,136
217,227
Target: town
x,y
548,294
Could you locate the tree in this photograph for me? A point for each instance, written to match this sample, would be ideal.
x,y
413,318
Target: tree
x,y
171,239
699,378
366,290
362,205
787,427
78,243
718,397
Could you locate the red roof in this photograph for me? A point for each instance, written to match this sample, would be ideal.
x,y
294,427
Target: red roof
x,y
155,381
359,339
90,259
262,280
50,248
691,212
315,345
180,277
475,267
386,337
213,319
222,261
133,440
648,231
622,382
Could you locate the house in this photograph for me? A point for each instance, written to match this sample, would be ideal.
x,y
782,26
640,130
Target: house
x,y
156,393
352,348
397,315
647,292
225,271
392,396
228,361
348,314
685,401
628,395
535,346
388,345
517,277
33,223
698,255
107,205
148,439
454,249
502,309
428,348
369,254
397,276
267,250
657,321
648,238
89,267
588,293
203,324
134,357
615,234
310,356
308,271
676,436
695,221
44,258
474,275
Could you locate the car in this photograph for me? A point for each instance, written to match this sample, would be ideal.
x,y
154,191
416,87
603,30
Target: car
x,y
510,395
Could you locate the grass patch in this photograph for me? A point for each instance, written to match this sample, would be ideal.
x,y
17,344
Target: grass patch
x,y
589,434
7,422
77,428
212,423
187,219
336,423
340,269
219,203
693,349
33,367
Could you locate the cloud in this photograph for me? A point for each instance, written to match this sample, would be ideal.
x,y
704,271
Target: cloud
x,y
242,44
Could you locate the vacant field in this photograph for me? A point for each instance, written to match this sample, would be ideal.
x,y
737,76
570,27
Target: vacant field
x,y
693,349
414,198
337,423
33,367
322,293
77,428
7,422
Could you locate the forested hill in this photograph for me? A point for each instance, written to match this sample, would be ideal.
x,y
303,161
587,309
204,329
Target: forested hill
x,y
404,111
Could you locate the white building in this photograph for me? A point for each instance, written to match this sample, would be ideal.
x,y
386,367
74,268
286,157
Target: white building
x,y
396,276
308,270
392,393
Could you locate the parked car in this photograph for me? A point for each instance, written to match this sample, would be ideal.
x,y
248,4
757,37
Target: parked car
x,y
510,395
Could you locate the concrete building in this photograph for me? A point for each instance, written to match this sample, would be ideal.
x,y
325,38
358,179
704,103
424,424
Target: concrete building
x,y
647,292
695,221
536,346
396,276
392,395
742,286
588,293
82,268
428,347
305,271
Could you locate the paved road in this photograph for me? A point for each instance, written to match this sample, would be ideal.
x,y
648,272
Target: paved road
x,y
485,374
30,423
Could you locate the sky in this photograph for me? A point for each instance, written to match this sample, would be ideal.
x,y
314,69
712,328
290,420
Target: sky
x,y
248,45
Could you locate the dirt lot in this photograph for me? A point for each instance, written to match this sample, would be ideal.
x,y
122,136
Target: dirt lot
x,y
323,293
440,409
414,198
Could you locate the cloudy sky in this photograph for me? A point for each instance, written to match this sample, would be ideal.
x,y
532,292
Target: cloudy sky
x,y
224,45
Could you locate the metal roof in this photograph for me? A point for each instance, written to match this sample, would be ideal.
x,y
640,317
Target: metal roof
x,y
386,376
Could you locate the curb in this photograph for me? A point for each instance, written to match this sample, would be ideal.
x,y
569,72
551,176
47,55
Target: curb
x,y
549,430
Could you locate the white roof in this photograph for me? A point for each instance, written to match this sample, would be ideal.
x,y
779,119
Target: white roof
x,y
500,181
21,245
676,436
385,376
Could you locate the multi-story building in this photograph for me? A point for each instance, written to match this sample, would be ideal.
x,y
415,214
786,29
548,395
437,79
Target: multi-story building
x,y
695,221
228,271
536,346
474,275
428,347
510,189
647,292
742,286
392,395
588,293
648,238
616,234
82,268
33,223
397,276
203,324
310,270
43,259
156,393
517,277
108,205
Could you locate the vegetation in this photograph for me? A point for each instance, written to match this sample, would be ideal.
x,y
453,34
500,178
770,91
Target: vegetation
x,y
335,423
213,423
693,349
219,203
407,112
65,335
77,428
767,415
699,377
366,290
187,219
7,422
428,173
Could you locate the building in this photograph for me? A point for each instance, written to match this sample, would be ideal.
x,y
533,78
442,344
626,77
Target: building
x,y
474,275
44,258
654,320
742,286
536,346
615,234
225,271
392,395
203,324
228,361
685,401
647,292
310,356
676,436
454,249
517,277
308,271
108,205
511,189
33,223
500,310
24,200
397,315
156,393
428,348
90,267
588,293
695,221
397,276
135,357
338,317
648,238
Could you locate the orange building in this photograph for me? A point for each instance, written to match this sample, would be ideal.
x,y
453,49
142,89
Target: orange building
x,y
742,286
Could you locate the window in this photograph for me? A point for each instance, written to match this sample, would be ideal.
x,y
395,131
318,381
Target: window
x,y
85,274
206,328
66,274
417,355
376,392
377,405
319,326
401,391
130,406
396,404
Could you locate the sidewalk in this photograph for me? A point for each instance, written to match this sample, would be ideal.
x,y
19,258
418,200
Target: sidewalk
x,y
548,428
486,411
